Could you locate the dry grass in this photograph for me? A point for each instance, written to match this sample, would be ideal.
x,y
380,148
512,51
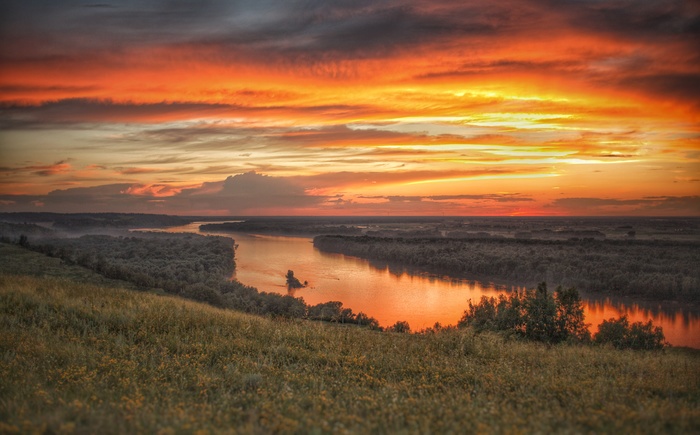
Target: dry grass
x,y
85,358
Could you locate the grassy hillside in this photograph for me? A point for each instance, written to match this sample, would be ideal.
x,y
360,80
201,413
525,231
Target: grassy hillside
x,y
87,358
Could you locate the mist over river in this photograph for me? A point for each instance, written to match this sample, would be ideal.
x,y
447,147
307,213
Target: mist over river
x,y
393,294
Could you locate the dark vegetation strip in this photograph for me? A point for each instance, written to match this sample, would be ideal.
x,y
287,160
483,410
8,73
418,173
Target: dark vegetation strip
x,y
653,269
188,265
280,227
81,221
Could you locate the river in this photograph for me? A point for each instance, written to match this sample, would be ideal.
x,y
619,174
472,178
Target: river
x,y
421,299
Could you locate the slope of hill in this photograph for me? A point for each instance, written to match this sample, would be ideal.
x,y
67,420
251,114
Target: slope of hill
x,y
86,357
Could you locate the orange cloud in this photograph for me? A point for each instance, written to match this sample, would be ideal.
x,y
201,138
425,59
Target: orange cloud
x,y
391,99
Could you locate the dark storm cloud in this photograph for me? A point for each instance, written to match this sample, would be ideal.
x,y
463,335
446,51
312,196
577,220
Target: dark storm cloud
x,y
80,110
317,29
123,22
676,86
308,26
633,19
356,29
317,35
72,111
300,30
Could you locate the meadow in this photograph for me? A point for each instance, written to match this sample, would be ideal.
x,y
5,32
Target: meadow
x,y
80,355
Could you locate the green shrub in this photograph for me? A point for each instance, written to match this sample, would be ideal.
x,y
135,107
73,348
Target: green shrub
x,y
534,314
623,335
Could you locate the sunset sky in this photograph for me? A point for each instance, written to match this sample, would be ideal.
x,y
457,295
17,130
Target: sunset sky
x,y
528,107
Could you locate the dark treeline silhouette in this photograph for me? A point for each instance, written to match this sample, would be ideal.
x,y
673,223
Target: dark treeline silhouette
x,y
653,269
294,226
82,221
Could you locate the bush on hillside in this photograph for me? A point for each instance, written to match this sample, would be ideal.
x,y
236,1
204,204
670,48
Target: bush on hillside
x,y
623,335
400,326
534,314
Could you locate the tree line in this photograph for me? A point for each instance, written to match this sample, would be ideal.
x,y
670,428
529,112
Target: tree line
x,y
188,265
81,221
653,269
280,227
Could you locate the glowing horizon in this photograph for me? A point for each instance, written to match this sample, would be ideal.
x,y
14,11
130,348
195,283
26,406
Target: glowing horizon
x,y
263,108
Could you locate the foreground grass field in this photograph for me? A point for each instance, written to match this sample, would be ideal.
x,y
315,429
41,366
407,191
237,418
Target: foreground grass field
x,y
87,358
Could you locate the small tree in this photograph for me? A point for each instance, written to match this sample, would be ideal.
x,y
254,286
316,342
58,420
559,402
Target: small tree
x,y
482,316
570,316
400,326
540,315
612,331
292,281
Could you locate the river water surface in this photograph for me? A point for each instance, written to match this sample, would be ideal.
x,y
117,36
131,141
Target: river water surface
x,y
421,299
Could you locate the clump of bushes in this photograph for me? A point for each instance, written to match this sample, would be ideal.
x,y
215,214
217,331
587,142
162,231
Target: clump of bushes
x,y
401,326
534,314
333,311
539,315
623,335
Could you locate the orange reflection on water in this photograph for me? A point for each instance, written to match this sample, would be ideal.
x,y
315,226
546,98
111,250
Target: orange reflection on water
x,y
680,326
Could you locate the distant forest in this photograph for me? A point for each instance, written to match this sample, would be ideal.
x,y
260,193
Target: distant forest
x,y
82,221
280,227
653,269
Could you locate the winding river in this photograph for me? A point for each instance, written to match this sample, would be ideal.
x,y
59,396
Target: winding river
x,y
421,299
